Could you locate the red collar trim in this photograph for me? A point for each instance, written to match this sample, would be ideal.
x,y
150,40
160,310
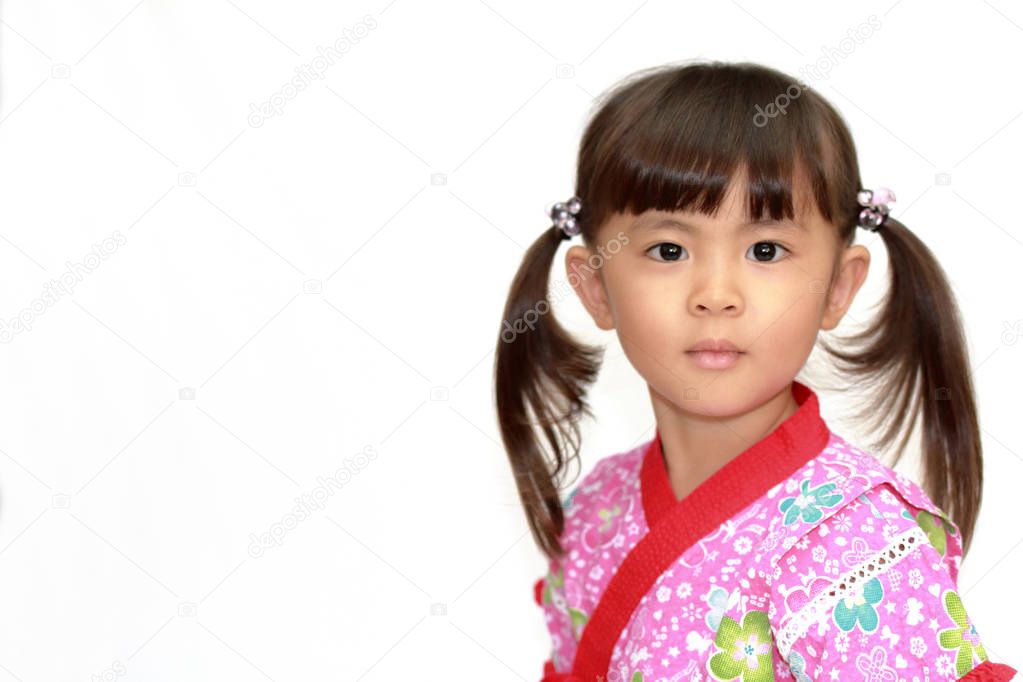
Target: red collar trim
x,y
760,467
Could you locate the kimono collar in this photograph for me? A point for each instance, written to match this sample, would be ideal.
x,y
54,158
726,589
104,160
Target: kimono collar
x,y
749,474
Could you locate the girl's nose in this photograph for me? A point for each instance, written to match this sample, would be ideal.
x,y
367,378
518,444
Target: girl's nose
x,y
717,296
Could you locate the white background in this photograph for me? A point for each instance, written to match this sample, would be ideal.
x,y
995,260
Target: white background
x,y
293,293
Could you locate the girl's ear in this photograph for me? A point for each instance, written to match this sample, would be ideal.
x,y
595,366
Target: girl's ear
x,y
849,277
589,285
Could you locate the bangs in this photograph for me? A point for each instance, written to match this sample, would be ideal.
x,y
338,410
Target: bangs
x,y
675,139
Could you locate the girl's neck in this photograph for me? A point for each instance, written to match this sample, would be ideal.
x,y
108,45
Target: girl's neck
x,y
696,445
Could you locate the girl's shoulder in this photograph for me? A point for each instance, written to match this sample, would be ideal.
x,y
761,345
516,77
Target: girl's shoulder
x,y
601,511
611,477
906,486
874,474
846,485
866,572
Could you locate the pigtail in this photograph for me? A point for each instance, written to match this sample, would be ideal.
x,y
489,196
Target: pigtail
x,y
541,378
915,351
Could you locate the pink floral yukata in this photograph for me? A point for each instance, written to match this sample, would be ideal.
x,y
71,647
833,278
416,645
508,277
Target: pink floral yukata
x,y
803,558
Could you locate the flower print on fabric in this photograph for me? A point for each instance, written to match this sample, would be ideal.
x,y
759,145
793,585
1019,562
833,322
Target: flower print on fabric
x,y
858,607
937,528
894,599
601,526
612,505
797,666
719,601
744,652
553,593
568,500
875,666
807,504
963,638
766,591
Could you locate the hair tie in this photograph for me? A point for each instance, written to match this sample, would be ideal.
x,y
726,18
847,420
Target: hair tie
x,y
876,203
563,214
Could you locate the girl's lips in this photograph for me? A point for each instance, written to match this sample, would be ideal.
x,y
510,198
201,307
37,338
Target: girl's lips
x,y
715,345
709,359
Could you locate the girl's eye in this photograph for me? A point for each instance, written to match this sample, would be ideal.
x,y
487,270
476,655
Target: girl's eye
x,y
666,252
763,251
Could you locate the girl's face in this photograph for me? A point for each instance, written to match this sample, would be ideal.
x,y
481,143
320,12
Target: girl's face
x,y
668,280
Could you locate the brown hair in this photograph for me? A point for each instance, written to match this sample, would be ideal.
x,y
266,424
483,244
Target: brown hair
x,y
672,138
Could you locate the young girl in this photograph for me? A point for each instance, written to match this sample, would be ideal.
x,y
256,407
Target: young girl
x,y
717,204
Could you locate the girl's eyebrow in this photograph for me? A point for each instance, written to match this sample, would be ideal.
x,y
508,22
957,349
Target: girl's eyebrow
x,y
640,225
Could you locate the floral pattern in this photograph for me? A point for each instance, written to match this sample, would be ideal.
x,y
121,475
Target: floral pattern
x,y
937,528
717,599
808,503
752,600
858,608
554,593
797,666
962,638
743,652
897,620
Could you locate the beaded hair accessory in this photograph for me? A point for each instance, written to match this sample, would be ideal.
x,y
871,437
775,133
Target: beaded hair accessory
x,y
563,216
876,206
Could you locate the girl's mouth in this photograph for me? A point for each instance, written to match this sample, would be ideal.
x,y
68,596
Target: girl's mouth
x,y
710,359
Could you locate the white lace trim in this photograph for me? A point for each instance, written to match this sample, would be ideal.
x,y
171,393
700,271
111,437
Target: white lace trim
x,y
818,608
